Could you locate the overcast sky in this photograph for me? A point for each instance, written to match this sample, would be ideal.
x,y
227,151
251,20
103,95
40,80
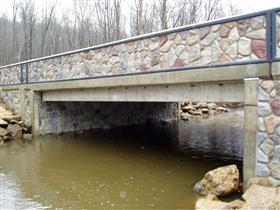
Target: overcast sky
x,y
245,5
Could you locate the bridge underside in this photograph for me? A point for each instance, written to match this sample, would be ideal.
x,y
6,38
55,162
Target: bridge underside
x,y
223,92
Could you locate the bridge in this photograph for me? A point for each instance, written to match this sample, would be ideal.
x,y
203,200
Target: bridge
x,y
235,59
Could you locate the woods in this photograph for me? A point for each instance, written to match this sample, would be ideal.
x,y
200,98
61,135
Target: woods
x,y
29,30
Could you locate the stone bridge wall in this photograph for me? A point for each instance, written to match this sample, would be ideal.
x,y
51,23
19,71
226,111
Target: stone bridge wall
x,y
242,40
268,135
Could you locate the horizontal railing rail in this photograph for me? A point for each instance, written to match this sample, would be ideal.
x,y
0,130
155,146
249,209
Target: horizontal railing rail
x,y
271,51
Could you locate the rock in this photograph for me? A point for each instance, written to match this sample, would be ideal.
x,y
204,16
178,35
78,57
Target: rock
x,y
224,44
21,123
15,130
184,57
192,37
267,85
185,116
12,117
275,105
262,170
233,36
224,59
237,203
244,46
211,202
212,106
259,181
27,136
224,31
220,182
257,22
206,55
258,34
232,51
179,49
203,32
14,121
221,109
261,125
260,197
188,107
4,132
162,40
166,46
264,109
194,52
267,146
277,151
271,123
216,51
261,157
198,105
208,39
3,123
204,110
275,169
153,45
263,96
259,48
179,63
242,26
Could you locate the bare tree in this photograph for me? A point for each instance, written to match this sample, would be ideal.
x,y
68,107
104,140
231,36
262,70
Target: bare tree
x,y
28,17
24,35
48,14
15,6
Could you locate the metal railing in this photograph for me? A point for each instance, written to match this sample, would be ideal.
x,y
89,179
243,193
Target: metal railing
x,y
271,44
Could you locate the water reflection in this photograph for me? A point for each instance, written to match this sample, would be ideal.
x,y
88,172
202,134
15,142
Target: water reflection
x,y
140,167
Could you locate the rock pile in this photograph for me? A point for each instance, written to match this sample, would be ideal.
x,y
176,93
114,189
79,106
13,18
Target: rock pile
x,y
12,127
204,109
260,194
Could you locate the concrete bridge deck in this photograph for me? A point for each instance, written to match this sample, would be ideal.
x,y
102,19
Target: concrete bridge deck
x,y
234,59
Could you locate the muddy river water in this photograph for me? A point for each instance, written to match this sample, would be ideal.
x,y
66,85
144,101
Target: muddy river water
x,y
139,167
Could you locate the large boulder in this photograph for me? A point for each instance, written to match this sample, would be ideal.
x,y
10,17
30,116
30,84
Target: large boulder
x,y
15,131
261,197
220,182
211,202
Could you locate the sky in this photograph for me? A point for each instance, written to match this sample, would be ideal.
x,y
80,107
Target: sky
x,y
247,6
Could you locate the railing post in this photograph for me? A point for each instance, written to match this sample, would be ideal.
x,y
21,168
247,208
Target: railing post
x,y
26,73
271,35
21,73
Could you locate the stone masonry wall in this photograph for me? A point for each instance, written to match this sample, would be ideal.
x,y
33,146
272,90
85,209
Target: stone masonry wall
x,y
278,34
241,40
268,136
11,98
56,117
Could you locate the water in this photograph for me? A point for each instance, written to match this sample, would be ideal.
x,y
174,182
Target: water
x,y
140,167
